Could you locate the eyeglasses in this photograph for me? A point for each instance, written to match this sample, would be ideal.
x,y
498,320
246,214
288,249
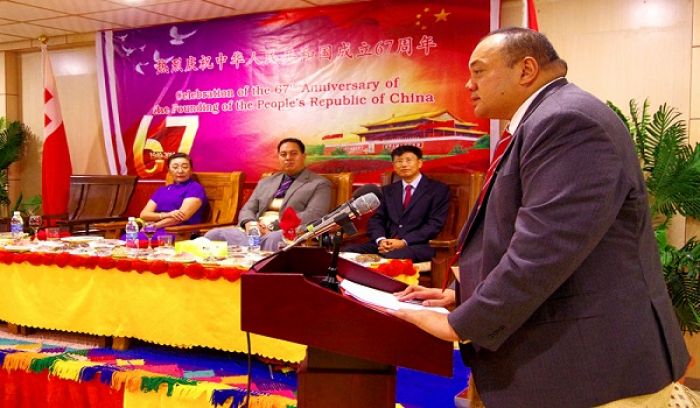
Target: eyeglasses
x,y
406,161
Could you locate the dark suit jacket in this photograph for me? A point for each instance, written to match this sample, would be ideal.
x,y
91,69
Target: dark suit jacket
x,y
561,288
420,222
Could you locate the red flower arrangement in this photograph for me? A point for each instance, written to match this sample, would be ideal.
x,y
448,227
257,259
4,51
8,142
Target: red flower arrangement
x,y
289,221
159,267
106,263
396,267
91,262
194,271
139,266
176,269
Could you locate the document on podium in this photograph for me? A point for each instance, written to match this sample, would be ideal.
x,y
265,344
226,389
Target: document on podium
x,y
382,299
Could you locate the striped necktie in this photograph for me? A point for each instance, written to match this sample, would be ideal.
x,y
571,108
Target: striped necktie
x,y
284,186
501,147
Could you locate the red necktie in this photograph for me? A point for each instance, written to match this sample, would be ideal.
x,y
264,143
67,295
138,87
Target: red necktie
x,y
501,147
407,197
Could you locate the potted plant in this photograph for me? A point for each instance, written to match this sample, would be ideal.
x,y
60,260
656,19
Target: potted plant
x,y
672,172
13,136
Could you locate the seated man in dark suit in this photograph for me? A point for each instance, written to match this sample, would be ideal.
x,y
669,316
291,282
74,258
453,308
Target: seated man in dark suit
x,y
412,212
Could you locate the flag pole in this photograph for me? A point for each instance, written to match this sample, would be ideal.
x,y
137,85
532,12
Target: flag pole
x,y
56,168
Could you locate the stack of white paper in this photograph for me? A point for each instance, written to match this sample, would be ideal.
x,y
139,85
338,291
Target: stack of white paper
x,y
382,299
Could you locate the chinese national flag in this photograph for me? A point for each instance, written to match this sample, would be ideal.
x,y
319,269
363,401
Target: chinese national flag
x,y
56,167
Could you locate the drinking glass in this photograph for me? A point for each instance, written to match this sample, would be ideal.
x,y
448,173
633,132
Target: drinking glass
x,y
165,241
35,224
149,230
53,233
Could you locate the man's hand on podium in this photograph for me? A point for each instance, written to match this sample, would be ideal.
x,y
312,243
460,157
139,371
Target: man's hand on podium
x,y
432,322
427,296
429,321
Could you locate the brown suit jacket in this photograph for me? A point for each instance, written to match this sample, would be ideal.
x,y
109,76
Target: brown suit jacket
x,y
561,288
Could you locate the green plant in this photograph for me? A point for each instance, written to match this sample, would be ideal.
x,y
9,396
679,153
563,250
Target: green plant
x,y
672,172
681,268
30,206
13,135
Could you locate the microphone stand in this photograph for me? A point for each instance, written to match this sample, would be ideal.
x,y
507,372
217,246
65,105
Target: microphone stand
x,y
330,281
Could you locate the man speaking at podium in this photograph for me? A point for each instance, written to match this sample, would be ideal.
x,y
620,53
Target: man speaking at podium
x,y
561,300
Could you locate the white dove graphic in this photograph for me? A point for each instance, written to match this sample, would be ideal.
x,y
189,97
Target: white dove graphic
x,y
128,51
139,69
122,38
156,57
177,38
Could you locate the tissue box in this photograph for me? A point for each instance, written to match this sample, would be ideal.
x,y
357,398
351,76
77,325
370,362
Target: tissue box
x,y
202,247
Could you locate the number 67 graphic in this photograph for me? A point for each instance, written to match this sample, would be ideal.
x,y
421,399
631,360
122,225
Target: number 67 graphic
x,y
143,143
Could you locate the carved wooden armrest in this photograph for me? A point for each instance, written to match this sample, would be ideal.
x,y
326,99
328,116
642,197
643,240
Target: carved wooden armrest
x,y
208,227
359,237
443,244
185,231
89,221
444,251
111,229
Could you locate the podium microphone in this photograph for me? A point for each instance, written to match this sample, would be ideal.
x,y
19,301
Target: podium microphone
x,y
340,216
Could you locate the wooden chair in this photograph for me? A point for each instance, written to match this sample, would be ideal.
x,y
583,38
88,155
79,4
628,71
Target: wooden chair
x,y
341,186
464,191
223,191
223,195
94,199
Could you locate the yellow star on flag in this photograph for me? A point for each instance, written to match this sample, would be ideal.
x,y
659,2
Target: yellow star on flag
x,y
441,16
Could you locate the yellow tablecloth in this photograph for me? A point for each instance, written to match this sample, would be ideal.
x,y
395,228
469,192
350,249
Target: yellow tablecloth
x,y
180,311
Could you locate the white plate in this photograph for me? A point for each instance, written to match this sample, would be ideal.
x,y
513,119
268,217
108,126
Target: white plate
x,y
50,244
82,251
182,258
106,243
242,262
81,239
16,248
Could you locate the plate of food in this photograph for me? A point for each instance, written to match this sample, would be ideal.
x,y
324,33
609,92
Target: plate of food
x,y
363,259
48,246
237,260
16,248
103,242
81,239
119,252
182,257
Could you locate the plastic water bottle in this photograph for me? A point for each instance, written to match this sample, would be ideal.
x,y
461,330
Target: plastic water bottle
x,y
254,239
132,233
17,227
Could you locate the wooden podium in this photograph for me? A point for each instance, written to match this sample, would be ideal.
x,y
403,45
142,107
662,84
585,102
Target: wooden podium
x,y
353,349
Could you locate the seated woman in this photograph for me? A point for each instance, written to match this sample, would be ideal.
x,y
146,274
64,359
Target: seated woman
x,y
182,202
